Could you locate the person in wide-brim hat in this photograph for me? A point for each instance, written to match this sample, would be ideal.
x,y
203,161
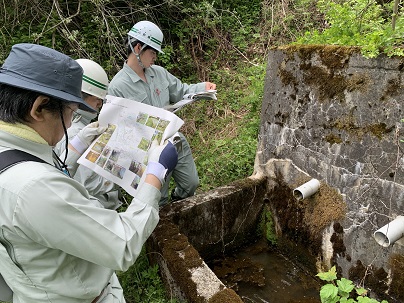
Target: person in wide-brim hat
x,y
57,243
44,70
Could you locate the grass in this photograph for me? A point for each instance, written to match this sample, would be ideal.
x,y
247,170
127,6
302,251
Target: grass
x,y
142,283
223,134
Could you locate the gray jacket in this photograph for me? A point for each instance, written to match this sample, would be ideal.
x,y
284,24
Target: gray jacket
x,y
162,88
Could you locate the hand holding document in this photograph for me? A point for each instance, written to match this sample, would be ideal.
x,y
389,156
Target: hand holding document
x,y
189,98
120,153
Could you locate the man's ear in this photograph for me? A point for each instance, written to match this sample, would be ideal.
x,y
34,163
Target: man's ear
x,y
37,112
137,48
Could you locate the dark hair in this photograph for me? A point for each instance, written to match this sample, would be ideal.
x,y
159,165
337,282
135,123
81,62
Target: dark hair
x,y
16,103
135,42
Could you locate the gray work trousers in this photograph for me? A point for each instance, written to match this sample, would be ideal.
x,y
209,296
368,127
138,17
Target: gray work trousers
x,y
184,174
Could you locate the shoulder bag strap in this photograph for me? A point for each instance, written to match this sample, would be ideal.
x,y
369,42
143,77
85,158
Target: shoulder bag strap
x,y
11,157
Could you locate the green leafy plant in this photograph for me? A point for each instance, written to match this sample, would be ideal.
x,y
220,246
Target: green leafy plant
x,y
341,290
286,20
362,23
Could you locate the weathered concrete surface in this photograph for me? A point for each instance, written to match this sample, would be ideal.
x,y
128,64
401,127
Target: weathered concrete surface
x,y
205,225
185,275
302,226
328,113
336,115
222,219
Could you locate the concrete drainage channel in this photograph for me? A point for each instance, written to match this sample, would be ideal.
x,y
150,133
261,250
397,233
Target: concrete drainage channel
x,y
205,225
220,221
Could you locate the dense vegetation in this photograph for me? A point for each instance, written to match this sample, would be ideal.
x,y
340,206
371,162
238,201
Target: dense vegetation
x,y
223,41
374,27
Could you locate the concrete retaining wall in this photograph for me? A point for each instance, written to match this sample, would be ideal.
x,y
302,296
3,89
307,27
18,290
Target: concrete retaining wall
x,y
327,113
335,116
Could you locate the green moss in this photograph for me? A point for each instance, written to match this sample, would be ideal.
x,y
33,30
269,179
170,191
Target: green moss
x,y
394,88
378,130
266,226
336,57
359,82
287,78
332,138
396,263
328,84
348,124
227,295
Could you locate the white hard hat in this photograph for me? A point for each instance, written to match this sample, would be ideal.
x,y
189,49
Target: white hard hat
x,y
149,33
95,79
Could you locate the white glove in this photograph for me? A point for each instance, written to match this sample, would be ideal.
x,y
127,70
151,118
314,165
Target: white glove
x,y
86,136
161,160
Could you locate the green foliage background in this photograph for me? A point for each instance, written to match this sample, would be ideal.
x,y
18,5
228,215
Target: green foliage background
x,y
222,41
364,23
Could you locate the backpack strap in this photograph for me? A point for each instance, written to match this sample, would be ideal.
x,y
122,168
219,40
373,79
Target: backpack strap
x,y
11,157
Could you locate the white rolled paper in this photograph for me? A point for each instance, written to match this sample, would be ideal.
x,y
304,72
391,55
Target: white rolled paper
x,y
390,232
307,189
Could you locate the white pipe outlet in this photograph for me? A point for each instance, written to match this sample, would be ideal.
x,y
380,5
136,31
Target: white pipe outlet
x,y
390,233
307,189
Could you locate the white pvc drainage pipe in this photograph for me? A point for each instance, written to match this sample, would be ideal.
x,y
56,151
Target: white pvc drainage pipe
x,y
307,189
390,233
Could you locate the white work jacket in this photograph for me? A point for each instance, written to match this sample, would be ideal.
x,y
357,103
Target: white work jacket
x,y
59,245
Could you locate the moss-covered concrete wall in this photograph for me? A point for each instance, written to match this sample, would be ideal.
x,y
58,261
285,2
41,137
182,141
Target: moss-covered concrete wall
x,y
335,116
200,228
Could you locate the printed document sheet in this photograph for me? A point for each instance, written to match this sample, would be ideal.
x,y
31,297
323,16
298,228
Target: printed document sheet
x,y
120,153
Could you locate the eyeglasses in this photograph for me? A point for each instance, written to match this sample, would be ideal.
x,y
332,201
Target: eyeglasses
x,y
73,110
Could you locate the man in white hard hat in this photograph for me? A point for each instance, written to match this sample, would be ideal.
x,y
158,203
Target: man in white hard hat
x,y
93,90
143,81
57,243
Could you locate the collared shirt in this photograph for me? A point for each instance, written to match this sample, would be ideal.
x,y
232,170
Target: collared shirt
x,y
57,244
161,88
